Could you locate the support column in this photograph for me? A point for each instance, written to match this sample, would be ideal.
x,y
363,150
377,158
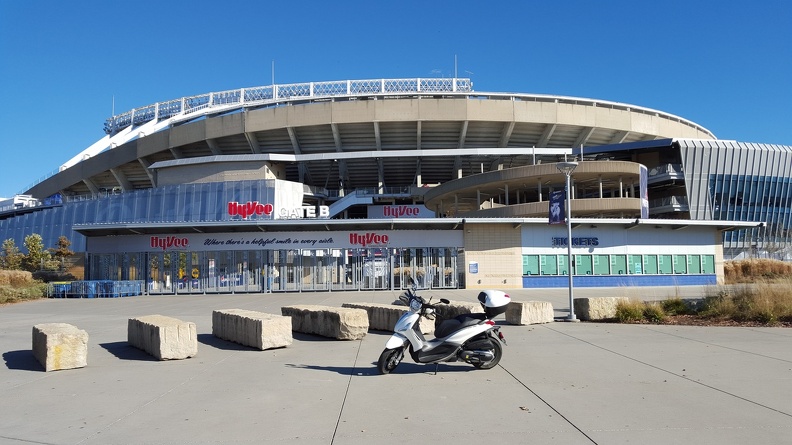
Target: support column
x,y
600,187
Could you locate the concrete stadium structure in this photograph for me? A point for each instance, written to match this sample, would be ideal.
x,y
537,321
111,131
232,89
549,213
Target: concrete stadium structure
x,y
372,184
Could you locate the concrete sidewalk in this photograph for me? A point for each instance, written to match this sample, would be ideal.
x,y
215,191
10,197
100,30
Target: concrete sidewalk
x,y
564,383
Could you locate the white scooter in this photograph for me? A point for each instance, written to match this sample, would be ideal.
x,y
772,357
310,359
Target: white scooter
x,y
472,338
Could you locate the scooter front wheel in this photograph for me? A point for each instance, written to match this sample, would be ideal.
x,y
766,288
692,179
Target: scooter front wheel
x,y
389,360
497,351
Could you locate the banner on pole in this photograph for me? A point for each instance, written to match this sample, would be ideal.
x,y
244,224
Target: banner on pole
x,y
644,190
557,210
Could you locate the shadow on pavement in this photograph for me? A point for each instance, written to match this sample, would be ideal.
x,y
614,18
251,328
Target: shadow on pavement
x,y
403,368
219,343
23,360
311,337
124,351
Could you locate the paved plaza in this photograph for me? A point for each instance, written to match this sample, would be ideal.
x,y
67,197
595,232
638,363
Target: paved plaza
x,y
558,383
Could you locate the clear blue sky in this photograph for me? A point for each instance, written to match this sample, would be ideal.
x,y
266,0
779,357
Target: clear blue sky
x,y
724,65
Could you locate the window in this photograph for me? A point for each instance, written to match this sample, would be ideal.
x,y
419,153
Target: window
x,y
618,264
562,265
708,264
694,264
665,265
680,264
530,264
650,264
601,265
583,265
634,264
549,264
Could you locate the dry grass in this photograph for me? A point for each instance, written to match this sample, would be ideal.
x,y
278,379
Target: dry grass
x,y
762,303
765,302
19,285
748,271
15,278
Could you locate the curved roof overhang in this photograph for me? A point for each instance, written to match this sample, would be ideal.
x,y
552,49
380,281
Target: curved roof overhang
x,y
119,229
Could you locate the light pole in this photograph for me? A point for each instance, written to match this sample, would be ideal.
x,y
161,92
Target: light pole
x,y
567,168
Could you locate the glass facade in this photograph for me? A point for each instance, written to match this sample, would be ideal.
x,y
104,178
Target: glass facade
x,y
735,181
292,270
754,198
172,203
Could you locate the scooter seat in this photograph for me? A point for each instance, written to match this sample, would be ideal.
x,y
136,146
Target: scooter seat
x,y
448,327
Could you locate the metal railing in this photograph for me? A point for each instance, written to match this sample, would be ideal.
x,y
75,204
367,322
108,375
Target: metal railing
x,y
670,169
278,93
678,202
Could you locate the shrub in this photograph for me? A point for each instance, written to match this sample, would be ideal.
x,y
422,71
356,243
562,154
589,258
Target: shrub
x,y
53,275
31,291
653,312
720,305
675,306
629,311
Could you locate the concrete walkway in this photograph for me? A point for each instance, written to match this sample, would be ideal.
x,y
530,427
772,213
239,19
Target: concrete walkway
x,y
558,383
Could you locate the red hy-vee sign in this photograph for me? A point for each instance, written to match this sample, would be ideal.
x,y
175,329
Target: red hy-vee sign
x,y
402,210
250,208
169,242
368,239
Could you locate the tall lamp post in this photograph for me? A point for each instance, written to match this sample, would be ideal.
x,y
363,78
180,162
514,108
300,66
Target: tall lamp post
x,y
567,168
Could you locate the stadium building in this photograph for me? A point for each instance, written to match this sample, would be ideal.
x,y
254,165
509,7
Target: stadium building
x,y
375,184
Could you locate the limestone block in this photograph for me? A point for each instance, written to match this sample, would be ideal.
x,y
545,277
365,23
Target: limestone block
x,y
383,317
165,338
334,322
456,308
60,346
529,312
250,328
598,308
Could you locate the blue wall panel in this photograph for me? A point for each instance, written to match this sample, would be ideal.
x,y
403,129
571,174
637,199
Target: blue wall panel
x,y
619,281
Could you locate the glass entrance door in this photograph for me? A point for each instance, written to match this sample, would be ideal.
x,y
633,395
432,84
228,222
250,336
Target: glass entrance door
x,y
161,273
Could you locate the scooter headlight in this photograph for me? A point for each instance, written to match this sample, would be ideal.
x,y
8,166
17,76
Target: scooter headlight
x,y
415,304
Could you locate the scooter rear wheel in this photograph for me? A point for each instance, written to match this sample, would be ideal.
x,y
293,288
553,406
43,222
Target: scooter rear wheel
x,y
497,351
389,360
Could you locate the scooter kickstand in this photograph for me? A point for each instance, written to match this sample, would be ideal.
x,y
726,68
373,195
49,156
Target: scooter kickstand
x,y
437,365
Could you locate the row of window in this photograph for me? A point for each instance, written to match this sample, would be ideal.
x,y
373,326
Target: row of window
x,y
619,264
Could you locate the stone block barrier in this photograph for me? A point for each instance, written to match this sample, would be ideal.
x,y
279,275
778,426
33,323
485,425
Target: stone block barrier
x,y
529,312
60,346
165,338
250,328
383,317
597,308
334,322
